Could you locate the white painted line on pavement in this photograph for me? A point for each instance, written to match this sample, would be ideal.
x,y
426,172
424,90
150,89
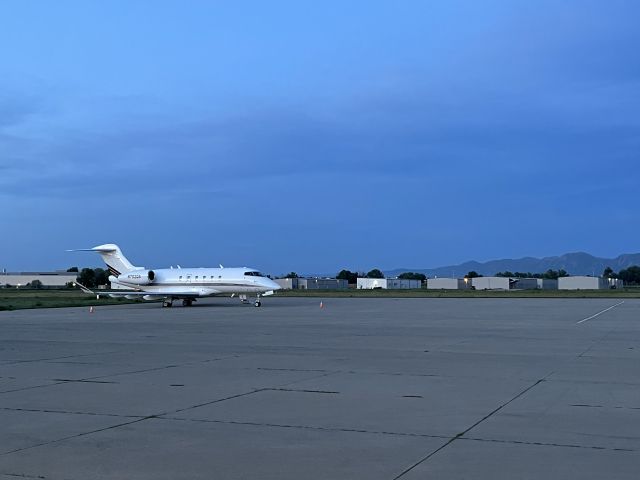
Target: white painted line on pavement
x,y
600,313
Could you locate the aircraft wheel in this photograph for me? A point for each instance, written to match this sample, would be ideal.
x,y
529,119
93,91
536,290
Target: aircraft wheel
x,y
187,303
257,303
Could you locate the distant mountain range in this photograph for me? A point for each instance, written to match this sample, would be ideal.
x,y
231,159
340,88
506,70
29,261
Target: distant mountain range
x,y
579,263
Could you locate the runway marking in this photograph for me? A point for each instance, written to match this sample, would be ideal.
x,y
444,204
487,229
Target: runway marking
x,y
599,313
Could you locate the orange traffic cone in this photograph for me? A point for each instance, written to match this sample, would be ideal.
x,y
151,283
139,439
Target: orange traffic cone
x,y
321,305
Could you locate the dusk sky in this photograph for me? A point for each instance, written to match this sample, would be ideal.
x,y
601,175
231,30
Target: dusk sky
x,y
316,136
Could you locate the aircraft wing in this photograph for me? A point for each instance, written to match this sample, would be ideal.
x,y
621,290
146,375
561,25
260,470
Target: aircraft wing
x,y
160,293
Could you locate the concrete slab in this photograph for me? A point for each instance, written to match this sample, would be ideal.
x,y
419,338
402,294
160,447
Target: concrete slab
x,y
170,449
363,388
464,459
377,403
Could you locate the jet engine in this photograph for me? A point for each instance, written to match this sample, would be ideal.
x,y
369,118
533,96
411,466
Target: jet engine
x,y
138,277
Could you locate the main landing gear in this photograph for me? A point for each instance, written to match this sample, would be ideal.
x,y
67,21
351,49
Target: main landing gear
x,y
168,302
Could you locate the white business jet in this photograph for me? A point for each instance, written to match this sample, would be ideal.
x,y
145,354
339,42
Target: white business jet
x,y
186,284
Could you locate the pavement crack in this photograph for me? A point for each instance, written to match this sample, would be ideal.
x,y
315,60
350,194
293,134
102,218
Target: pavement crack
x,y
548,444
300,390
20,475
204,404
66,412
78,435
305,427
461,434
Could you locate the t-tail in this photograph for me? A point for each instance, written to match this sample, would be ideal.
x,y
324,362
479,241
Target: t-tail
x,y
111,254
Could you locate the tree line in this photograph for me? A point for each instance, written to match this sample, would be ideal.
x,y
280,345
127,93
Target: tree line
x,y
630,276
549,274
91,277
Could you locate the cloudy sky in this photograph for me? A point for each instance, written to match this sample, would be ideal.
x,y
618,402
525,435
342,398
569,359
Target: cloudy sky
x,y
314,136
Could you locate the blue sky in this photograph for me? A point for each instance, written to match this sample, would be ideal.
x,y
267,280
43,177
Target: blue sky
x,y
315,136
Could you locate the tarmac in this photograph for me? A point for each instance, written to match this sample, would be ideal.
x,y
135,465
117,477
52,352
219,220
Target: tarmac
x,y
358,389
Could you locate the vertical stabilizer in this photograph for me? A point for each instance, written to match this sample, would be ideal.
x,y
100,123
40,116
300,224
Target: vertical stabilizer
x,y
115,260
113,257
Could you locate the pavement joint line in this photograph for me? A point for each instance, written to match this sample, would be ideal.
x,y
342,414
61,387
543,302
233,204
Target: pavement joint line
x,y
17,362
305,427
207,403
547,444
77,435
32,387
43,410
305,379
599,313
462,434
299,390
288,369
21,475
164,367
71,380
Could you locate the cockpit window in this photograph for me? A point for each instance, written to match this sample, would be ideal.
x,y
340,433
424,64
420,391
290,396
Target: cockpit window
x,y
254,274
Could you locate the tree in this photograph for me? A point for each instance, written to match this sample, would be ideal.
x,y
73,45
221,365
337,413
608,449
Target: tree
x,y
87,277
291,275
72,269
555,274
35,284
102,276
609,273
630,276
472,274
348,275
375,273
413,276
506,273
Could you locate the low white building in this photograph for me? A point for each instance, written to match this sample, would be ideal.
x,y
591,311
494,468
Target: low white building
x,y
322,284
371,283
547,283
287,283
491,283
48,279
312,283
524,284
387,283
448,284
588,283
403,283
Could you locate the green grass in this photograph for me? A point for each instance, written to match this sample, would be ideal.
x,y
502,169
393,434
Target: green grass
x,y
16,299
424,293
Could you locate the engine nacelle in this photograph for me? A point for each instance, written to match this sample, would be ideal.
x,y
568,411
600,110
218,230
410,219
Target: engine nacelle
x,y
138,277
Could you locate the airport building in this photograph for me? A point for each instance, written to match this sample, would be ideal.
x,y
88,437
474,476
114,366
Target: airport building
x,y
491,283
448,284
312,283
48,279
387,283
287,283
588,283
